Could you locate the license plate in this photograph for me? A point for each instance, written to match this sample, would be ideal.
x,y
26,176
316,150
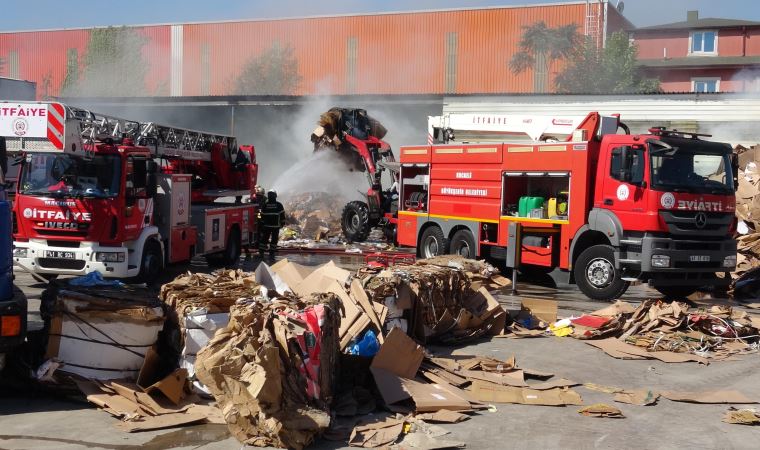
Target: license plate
x,y
699,258
60,255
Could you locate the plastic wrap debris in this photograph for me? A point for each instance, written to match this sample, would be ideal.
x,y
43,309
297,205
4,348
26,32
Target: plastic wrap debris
x,y
670,332
94,279
272,369
199,328
101,333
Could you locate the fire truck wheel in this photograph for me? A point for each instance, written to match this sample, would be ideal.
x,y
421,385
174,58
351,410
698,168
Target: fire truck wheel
x,y
233,250
355,221
463,244
152,263
596,276
432,243
676,292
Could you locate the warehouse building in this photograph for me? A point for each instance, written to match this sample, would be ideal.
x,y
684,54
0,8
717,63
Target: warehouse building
x,y
456,51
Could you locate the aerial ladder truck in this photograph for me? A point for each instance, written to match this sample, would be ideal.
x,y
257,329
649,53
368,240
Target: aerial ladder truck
x,y
123,197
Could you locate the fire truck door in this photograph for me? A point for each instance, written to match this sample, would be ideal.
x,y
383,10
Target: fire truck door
x,y
623,191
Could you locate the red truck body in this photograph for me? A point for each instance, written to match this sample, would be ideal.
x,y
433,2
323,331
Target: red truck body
x,y
630,225
125,198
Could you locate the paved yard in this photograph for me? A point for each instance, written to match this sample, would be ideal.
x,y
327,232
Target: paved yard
x,y
30,419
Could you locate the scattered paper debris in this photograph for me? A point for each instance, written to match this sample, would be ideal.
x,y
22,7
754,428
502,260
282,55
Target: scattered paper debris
x,y
742,416
641,397
601,410
727,396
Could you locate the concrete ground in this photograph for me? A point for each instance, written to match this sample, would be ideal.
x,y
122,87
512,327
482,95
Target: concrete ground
x,y
31,419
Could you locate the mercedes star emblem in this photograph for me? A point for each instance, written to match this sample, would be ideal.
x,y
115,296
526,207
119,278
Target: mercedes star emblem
x,y
700,220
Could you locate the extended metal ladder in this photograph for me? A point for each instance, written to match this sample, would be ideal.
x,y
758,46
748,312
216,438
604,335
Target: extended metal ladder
x,y
165,141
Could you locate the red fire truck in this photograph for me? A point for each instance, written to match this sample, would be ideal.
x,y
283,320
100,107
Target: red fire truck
x,y
608,208
123,197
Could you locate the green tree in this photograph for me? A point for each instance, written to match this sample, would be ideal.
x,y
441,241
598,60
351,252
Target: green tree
x,y
539,47
113,65
273,72
611,70
71,79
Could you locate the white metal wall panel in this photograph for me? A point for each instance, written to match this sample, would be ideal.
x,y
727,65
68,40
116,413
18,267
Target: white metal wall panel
x,y
729,117
177,49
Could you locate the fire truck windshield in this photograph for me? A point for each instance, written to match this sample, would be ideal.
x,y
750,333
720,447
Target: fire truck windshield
x,y
684,169
57,175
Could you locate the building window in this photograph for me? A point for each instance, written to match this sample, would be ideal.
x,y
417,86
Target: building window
x,y
704,42
705,84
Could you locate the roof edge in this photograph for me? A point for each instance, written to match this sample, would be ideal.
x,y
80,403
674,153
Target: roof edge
x,y
319,16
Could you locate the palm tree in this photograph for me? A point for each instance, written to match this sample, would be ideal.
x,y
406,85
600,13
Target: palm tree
x,y
539,46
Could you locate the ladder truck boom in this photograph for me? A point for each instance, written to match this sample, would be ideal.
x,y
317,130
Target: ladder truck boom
x,y
129,195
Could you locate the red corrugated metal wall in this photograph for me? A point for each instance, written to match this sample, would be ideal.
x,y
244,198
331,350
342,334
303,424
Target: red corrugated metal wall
x,y
42,56
395,53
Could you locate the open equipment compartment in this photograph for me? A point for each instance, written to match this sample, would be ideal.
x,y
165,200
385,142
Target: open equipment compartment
x,y
540,200
415,187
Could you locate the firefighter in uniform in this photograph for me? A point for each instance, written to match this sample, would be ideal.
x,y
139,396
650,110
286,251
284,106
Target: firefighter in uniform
x,y
272,217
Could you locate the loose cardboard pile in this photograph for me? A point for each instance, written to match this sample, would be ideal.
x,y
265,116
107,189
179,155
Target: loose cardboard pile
x,y
164,404
746,278
272,368
314,216
670,332
411,382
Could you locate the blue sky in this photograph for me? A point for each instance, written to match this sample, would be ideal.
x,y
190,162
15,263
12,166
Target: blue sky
x,y
42,14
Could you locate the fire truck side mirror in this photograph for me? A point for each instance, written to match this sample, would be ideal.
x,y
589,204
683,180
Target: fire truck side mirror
x,y
625,155
151,182
735,169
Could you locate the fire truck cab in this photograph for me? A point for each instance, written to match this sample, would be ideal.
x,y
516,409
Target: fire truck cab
x,y
122,197
608,208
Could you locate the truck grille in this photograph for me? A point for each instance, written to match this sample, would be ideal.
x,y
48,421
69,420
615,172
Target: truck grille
x,y
699,223
66,244
56,263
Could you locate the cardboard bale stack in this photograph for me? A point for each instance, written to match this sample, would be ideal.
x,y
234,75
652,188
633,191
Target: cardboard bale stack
x,y
272,369
197,305
746,278
100,332
439,299
334,124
